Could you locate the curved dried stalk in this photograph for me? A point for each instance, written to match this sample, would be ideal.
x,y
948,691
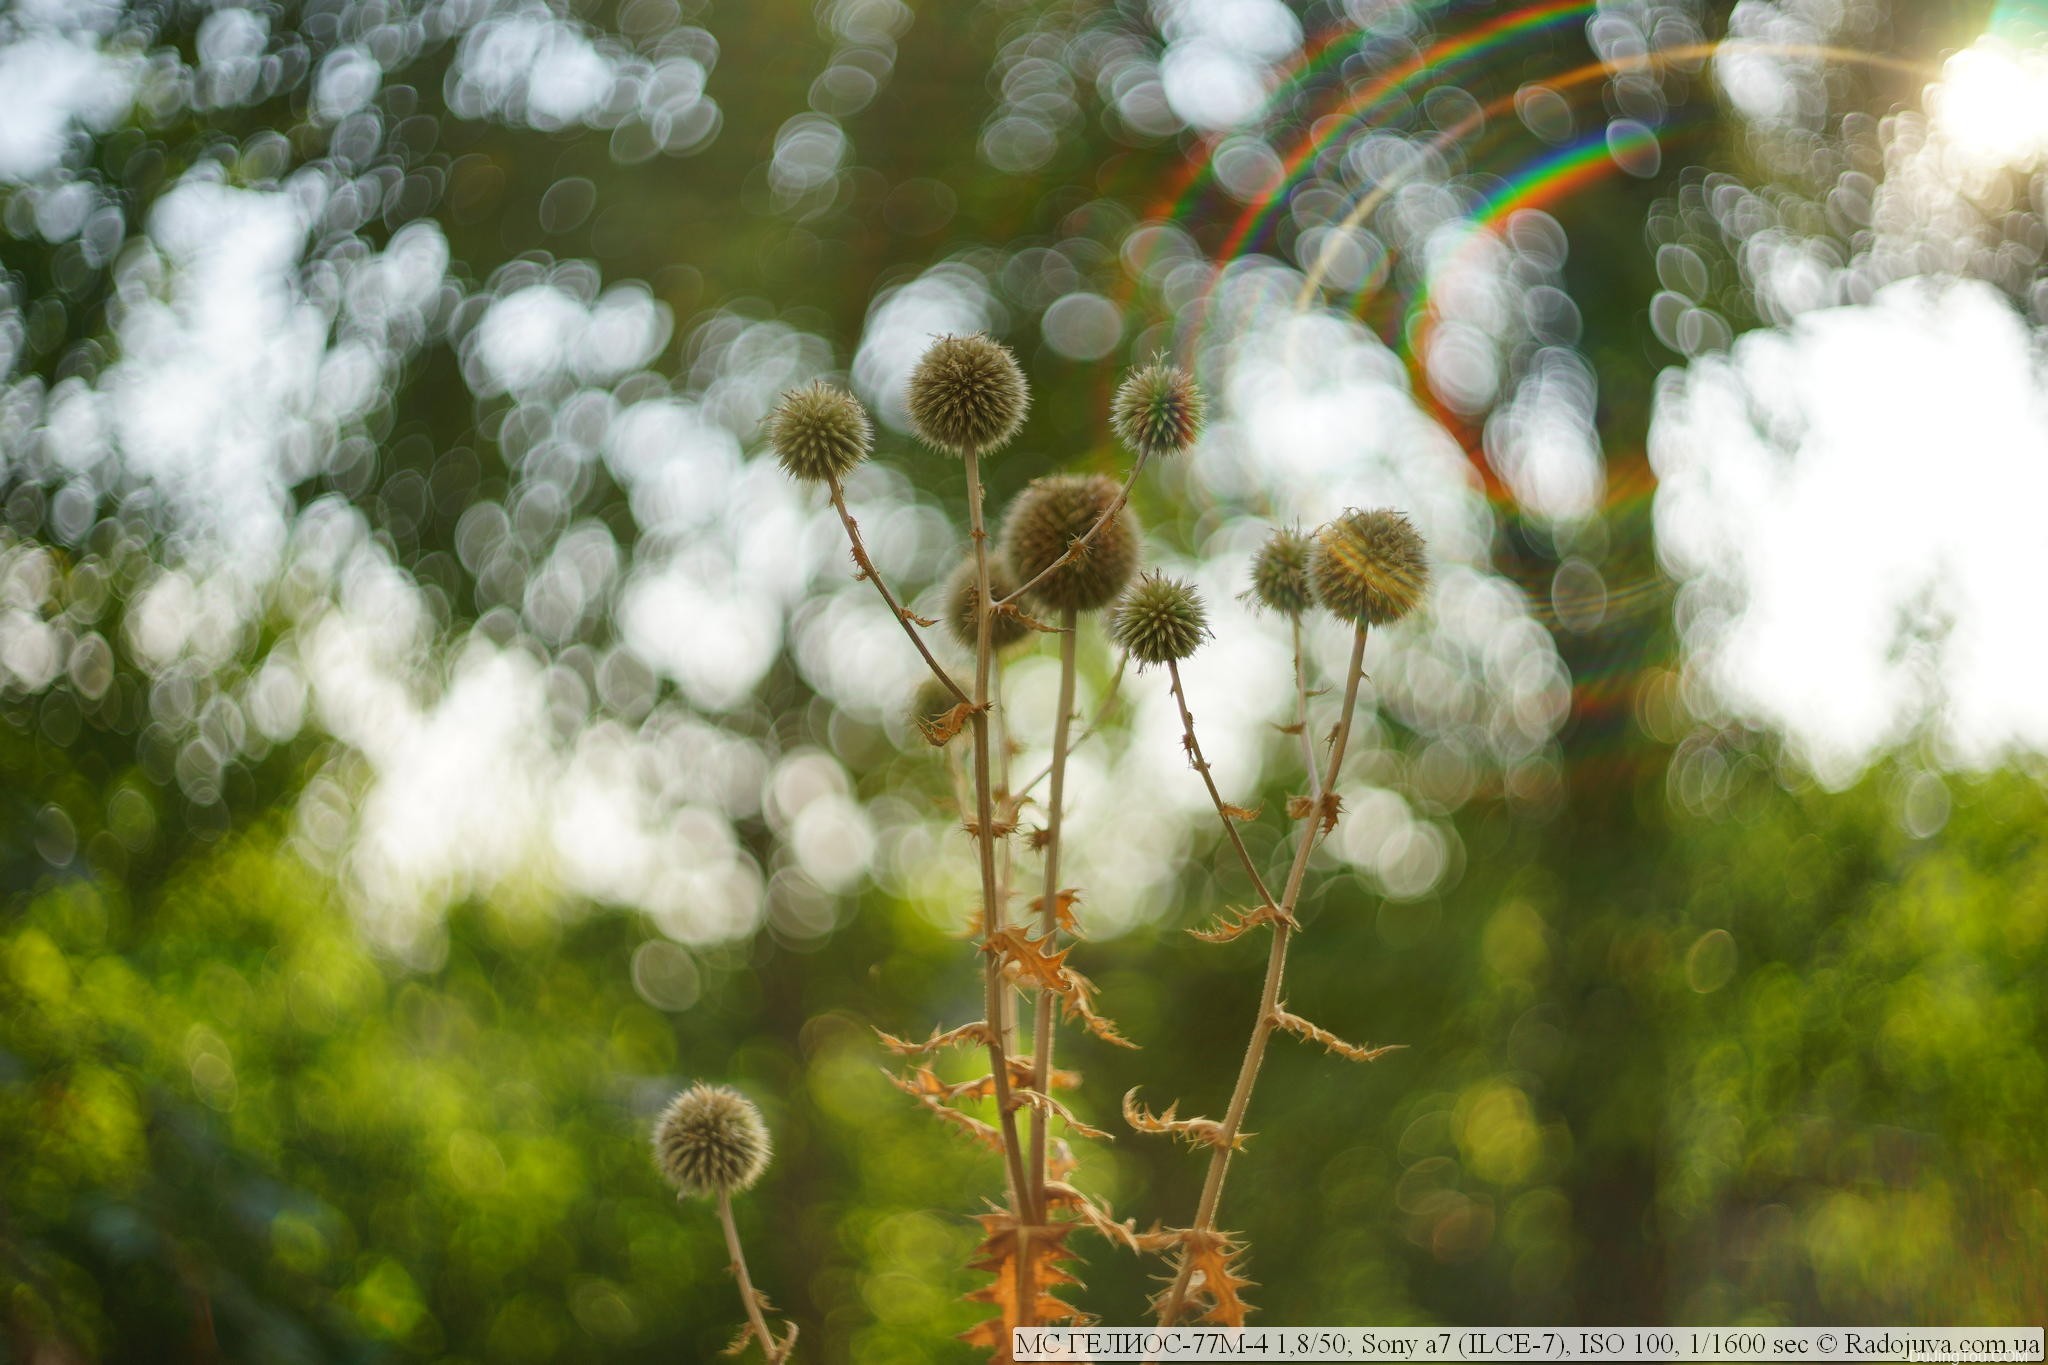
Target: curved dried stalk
x,y
1230,815
1316,823
896,608
757,1324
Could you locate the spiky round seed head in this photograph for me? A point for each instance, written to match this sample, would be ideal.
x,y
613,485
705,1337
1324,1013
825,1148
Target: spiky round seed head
x,y
962,603
1052,513
820,432
1370,567
1158,409
1159,621
711,1140
1280,574
968,394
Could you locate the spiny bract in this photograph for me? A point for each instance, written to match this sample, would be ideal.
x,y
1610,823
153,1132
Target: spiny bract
x,y
820,433
711,1140
968,394
1370,567
1159,621
1004,629
1050,515
1280,574
1158,409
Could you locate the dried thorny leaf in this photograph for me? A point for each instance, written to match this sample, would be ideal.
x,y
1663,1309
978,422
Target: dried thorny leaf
x,y
1037,840
1062,909
1035,962
1213,1282
975,1034
1001,828
1302,1028
1124,1233
917,620
774,1350
1056,1079
1293,729
942,729
1235,923
973,1127
1242,813
1199,1132
1003,1246
1045,1103
1300,807
1029,622
1332,804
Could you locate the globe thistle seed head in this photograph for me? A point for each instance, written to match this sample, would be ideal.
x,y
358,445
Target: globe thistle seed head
x,y
1158,409
1159,621
968,394
962,604
1280,577
711,1140
1050,515
1370,567
820,432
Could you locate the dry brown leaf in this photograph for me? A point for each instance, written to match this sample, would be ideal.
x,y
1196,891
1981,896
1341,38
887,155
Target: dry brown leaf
x,y
1062,909
1235,923
1004,1243
1046,1104
975,1034
1241,813
1035,962
942,729
965,1123
1213,1281
1124,1233
1197,1131
1302,1028
776,1351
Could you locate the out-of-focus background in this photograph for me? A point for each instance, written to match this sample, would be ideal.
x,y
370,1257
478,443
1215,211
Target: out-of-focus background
x,y
431,731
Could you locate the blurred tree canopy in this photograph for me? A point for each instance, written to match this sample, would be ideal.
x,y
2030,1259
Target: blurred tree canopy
x,y
1690,1037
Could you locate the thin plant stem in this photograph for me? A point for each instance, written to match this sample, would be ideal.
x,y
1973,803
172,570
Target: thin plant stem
x,y
1079,544
1276,969
1201,765
1102,713
874,576
1308,745
1048,906
992,911
739,1270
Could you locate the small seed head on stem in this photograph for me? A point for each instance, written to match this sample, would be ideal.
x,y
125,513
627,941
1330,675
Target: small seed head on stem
x,y
1370,568
1280,573
968,393
711,1140
963,606
1158,409
1159,621
820,433
1051,514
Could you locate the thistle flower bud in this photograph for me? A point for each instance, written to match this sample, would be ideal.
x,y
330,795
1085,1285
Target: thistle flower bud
x,y
1050,515
963,606
711,1140
820,433
1158,409
1369,567
968,394
1280,579
1159,621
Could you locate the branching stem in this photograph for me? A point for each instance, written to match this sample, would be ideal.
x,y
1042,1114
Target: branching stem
x,y
1175,1301
992,910
1102,712
874,576
1201,765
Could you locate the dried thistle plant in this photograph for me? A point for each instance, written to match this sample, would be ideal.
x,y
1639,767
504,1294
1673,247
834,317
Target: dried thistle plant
x,y
710,1143
1367,568
1069,549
